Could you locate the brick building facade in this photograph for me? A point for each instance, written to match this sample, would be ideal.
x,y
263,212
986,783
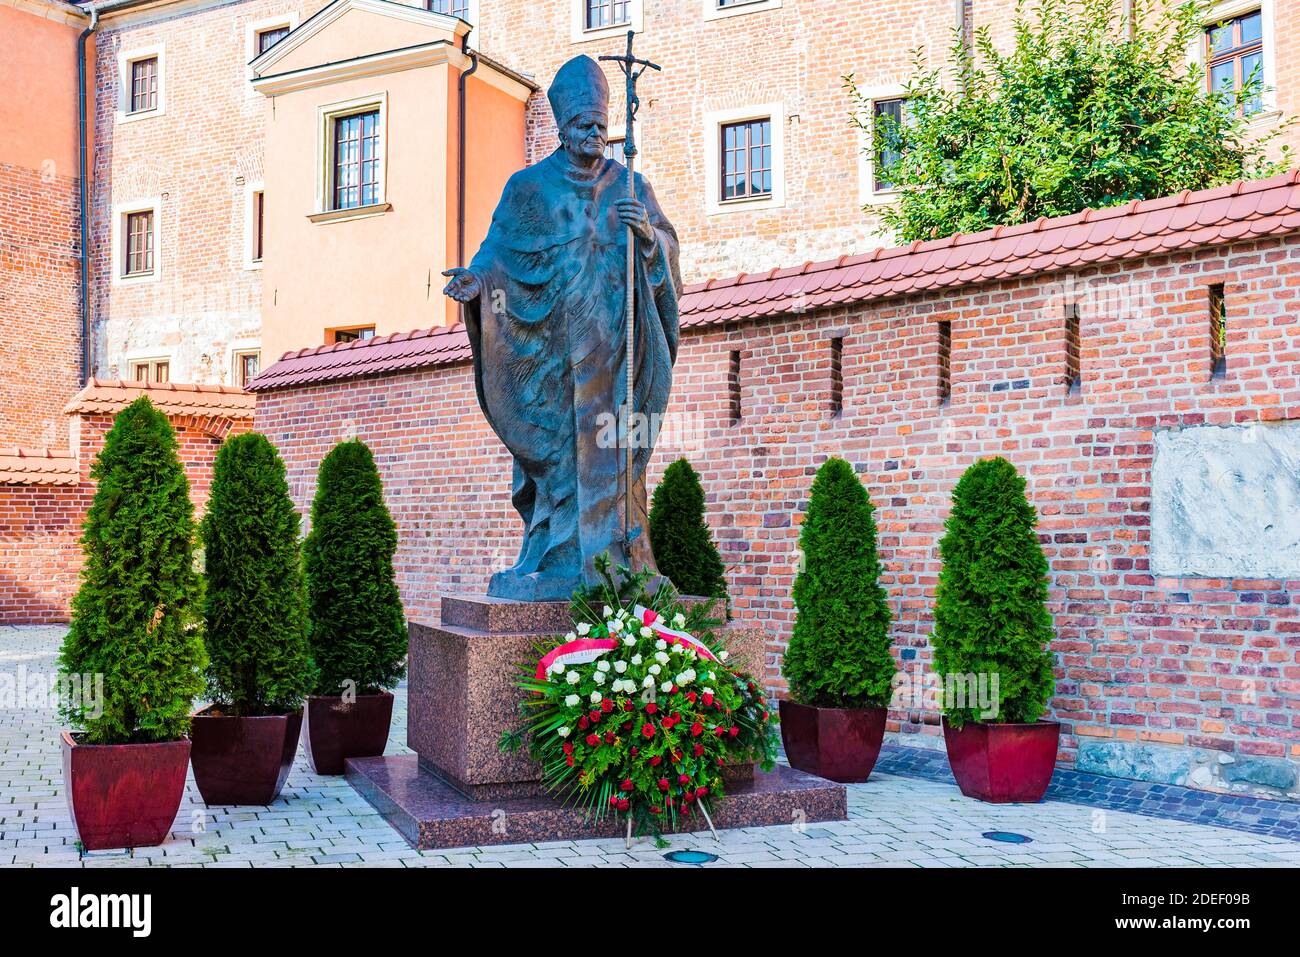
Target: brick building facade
x,y
1198,673
192,161
44,494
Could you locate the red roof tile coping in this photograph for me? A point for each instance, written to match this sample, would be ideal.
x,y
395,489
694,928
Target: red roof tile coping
x,y
1228,213
173,398
19,466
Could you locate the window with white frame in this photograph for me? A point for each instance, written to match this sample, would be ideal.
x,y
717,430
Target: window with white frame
x,y
597,19
141,80
1234,57
884,112
745,158
352,159
721,9
247,363
136,253
261,35
1236,45
254,225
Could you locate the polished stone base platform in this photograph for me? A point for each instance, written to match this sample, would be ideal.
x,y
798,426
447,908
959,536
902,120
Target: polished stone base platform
x,y
463,675
430,813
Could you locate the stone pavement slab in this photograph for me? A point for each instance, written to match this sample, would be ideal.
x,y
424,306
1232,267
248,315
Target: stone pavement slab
x,y
900,818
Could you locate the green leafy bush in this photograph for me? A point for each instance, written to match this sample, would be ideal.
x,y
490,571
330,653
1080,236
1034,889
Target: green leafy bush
x,y
680,538
839,653
990,615
357,629
255,606
1078,115
135,615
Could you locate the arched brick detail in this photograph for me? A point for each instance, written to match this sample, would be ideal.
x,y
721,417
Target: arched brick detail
x,y
218,427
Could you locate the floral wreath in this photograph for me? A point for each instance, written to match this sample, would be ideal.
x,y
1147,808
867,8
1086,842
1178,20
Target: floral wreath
x,y
635,712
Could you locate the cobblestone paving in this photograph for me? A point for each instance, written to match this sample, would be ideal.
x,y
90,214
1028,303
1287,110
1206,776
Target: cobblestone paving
x,y
320,821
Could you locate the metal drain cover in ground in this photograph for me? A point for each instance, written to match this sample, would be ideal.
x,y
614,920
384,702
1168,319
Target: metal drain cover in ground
x,y
691,857
1007,837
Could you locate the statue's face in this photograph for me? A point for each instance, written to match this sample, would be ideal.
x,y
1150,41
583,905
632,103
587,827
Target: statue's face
x,y
584,137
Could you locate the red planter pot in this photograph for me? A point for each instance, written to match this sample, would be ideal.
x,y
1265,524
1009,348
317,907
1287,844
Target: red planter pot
x,y
1003,763
243,760
123,795
338,730
840,744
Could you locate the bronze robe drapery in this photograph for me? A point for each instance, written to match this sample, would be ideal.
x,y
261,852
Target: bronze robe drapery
x,y
548,333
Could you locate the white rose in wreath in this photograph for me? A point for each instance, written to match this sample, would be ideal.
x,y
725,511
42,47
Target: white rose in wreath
x,y
571,701
562,732
573,677
620,666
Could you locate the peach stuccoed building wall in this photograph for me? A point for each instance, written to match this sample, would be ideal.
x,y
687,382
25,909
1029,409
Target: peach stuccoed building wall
x,y
40,325
379,266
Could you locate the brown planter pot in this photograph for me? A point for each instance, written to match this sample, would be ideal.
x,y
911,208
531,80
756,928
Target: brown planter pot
x,y
243,760
123,795
1003,763
338,730
839,744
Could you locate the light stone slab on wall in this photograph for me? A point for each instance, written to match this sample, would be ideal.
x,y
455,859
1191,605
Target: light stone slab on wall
x,y
1225,501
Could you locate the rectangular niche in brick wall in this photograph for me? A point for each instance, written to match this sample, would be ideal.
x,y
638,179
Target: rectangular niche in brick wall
x,y
1225,501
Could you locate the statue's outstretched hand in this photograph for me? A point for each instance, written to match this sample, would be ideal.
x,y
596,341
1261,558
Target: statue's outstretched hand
x,y
463,286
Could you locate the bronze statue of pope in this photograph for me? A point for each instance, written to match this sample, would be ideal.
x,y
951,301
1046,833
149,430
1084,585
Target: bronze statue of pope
x,y
544,306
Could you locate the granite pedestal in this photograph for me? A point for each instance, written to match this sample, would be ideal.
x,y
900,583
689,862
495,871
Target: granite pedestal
x,y
462,694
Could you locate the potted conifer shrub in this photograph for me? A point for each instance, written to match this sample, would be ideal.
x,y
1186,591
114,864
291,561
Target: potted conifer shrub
x,y
680,539
356,626
256,627
991,632
838,665
131,663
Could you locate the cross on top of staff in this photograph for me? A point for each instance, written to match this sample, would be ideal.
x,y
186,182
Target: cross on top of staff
x,y
632,68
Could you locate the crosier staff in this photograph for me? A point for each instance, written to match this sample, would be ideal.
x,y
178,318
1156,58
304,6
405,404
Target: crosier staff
x,y
632,69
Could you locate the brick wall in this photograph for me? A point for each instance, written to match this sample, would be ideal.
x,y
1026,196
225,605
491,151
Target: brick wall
x,y
1205,667
40,322
198,156
40,525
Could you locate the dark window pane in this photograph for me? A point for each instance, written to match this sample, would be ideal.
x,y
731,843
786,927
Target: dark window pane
x,y
269,38
456,8
259,218
1252,29
139,244
144,85
746,160
356,160
887,117
1221,38
607,13
247,367
1223,76
614,150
